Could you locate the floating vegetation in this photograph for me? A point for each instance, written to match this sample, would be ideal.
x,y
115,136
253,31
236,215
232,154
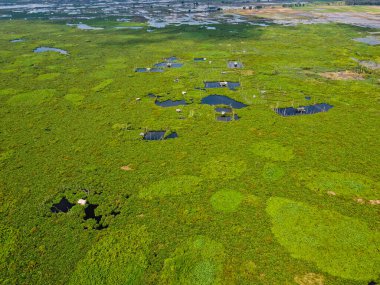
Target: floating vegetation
x,y
221,84
234,64
174,186
222,100
226,200
272,150
224,167
337,244
170,103
198,261
47,49
63,206
303,110
120,257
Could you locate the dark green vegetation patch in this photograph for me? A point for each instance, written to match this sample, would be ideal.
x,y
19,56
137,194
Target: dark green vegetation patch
x,y
337,244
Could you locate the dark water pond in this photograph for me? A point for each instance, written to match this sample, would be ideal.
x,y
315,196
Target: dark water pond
x,y
303,110
170,103
199,59
158,135
227,118
234,64
46,49
221,84
140,69
223,110
90,212
222,100
308,98
63,206
169,64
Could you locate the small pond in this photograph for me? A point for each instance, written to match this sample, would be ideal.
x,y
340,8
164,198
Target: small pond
x,y
158,135
17,41
222,100
46,49
221,84
170,103
303,110
63,206
224,118
200,59
234,64
172,58
223,110
169,64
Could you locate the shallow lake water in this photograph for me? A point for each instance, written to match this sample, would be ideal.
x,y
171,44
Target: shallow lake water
x,y
221,84
303,110
170,103
222,100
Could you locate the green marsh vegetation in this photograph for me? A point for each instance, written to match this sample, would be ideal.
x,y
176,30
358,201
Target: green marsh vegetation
x,y
243,202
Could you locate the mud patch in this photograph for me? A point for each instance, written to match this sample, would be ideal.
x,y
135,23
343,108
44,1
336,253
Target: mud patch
x,y
342,75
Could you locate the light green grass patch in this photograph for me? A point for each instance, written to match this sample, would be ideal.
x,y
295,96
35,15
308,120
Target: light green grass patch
x,y
117,259
173,186
272,150
342,183
226,200
5,155
48,76
272,172
32,98
224,167
337,244
198,262
75,99
102,85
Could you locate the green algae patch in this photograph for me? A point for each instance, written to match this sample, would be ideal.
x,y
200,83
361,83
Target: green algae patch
x,y
224,167
7,244
75,99
48,76
197,262
342,183
102,85
33,98
272,151
226,200
272,172
337,244
118,258
173,186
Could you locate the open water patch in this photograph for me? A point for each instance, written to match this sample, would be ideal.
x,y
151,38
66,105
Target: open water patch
x,y
142,69
158,135
222,100
63,206
47,49
372,41
170,103
17,41
234,64
303,110
200,59
223,110
169,64
222,84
